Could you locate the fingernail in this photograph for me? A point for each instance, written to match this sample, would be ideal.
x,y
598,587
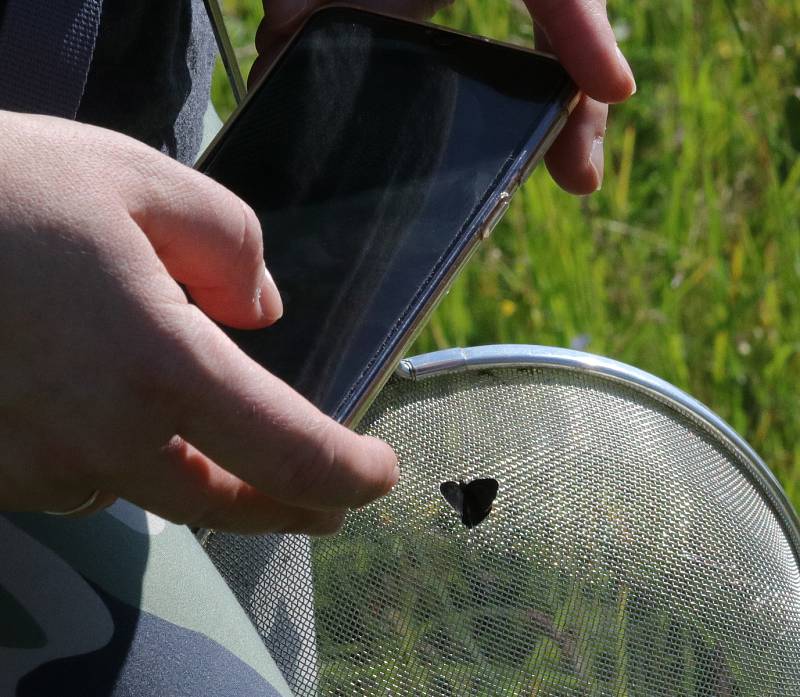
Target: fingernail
x,y
396,474
596,160
269,297
623,62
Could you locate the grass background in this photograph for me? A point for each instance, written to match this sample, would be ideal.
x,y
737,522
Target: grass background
x,y
687,263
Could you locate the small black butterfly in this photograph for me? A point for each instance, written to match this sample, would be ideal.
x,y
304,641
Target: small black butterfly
x,y
472,501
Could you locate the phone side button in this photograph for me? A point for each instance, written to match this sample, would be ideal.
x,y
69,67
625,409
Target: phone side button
x,y
541,151
495,217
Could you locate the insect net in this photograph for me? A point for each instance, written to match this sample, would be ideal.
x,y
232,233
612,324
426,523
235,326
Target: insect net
x,y
630,551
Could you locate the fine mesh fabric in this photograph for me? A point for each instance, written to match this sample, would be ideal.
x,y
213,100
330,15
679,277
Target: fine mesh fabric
x,y
628,552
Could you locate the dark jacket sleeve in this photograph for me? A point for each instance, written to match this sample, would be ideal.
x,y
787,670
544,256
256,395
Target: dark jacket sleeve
x,y
46,48
140,67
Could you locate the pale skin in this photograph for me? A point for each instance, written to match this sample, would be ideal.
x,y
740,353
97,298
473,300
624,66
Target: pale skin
x,y
113,381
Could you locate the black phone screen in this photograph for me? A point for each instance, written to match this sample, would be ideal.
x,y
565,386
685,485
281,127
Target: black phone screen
x,y
366,153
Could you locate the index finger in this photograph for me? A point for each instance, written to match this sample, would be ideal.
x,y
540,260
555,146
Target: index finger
x,y
255,426
580,34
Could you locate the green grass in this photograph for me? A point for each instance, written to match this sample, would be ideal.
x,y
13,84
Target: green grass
x,y
471,629
687,263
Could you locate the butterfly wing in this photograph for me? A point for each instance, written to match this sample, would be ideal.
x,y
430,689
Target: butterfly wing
x,y
478,496
454,495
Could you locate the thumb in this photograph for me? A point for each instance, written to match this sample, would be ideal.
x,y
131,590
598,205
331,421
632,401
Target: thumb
x,y
579,33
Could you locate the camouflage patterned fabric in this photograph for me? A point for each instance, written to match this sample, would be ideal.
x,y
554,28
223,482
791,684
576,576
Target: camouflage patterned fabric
x,y
121,603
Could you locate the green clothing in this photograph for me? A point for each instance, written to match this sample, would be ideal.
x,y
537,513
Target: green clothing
x,y
121,603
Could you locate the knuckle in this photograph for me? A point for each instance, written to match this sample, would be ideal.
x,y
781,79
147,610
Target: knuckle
x,y
312,467
167,365
563,18
250,253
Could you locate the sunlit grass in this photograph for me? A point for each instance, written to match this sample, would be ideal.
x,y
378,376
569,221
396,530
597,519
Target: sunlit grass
x,y
687,263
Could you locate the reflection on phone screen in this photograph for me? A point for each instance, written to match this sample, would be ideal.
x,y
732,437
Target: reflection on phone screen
x,y
365,154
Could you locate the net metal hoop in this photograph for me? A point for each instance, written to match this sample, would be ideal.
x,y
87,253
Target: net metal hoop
x,y
436,363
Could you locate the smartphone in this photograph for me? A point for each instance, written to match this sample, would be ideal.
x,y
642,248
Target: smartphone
x,y
377,153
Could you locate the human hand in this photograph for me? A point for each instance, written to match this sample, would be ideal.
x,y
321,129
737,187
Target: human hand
x,y
111,380
576,31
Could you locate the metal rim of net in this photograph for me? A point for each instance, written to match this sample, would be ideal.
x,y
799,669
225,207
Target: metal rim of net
x,y
490,356
250,565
